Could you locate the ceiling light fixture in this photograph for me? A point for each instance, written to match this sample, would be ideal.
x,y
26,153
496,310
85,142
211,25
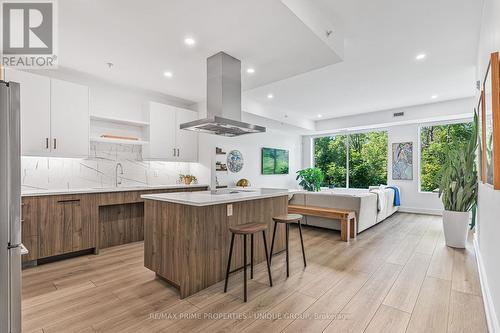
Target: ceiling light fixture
x,y
168,74
320,115
270,96
189,41
434,96
250,70
421,56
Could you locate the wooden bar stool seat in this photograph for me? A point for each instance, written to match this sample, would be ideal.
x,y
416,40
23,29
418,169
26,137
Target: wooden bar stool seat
x,y
287,219
248,228
244,230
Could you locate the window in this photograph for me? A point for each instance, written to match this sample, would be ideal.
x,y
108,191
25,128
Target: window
x,y
355,160
330,155
367,159
433,142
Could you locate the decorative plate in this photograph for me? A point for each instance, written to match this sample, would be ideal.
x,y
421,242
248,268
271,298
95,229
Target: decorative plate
x,y
235,161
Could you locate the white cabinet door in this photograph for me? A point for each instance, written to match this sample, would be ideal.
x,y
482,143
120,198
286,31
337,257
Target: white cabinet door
x,y
186,141
161,133
35,112
69,119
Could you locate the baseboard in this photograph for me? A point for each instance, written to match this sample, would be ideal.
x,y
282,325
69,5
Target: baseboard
x,y
438,212
489,307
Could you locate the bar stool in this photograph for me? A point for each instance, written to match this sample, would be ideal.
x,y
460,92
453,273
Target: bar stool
x,y
287,219
244,230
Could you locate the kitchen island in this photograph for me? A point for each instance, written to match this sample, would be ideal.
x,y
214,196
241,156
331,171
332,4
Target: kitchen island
x,y
186,235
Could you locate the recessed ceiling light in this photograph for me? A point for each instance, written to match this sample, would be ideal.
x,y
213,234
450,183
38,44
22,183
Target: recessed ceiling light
x,y
250,70
168,74
270,96
434,96
189,41
421,56
320,115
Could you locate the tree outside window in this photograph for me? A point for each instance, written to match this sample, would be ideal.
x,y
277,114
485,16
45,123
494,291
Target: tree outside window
x,y
367,159
434,140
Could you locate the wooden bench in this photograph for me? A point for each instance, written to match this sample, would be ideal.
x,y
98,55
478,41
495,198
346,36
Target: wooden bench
x,y
347,218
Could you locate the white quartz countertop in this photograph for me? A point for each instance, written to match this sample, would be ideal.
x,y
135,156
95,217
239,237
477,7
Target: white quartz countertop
x,y
206,198
42,192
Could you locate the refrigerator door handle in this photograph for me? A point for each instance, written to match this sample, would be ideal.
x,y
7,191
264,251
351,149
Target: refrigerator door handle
x,y
9,247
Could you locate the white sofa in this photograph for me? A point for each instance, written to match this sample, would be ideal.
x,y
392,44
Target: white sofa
x,y
371,206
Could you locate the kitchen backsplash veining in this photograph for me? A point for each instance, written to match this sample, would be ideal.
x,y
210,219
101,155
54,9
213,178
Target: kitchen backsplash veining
x,y
98,171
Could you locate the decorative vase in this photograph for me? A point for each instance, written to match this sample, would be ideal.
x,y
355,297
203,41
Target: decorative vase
x,y
456,228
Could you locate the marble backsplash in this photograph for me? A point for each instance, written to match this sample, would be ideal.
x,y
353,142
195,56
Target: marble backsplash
x,y
98,171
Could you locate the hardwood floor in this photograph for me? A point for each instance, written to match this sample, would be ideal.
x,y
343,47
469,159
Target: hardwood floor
x,y
396,277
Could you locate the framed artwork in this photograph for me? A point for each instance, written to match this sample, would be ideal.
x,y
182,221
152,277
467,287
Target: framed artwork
x,y
489,107
235,161
274,161
402,161
482,138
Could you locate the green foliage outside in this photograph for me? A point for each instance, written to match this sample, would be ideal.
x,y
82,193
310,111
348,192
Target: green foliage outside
x,y
330,156
367,159
434,143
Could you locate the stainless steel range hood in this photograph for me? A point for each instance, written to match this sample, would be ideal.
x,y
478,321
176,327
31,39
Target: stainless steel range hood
x,y
223,100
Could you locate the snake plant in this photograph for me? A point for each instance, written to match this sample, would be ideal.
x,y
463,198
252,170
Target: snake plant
x,y
458,187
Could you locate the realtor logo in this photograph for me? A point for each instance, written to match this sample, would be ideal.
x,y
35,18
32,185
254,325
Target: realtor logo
x,y
28,34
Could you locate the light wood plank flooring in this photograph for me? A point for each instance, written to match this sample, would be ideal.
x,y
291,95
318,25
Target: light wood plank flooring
x,y
396,277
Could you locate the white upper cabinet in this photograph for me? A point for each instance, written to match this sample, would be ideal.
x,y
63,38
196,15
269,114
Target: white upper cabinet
x,y
187,141
161,133
166,141
54,116
35,112
69,119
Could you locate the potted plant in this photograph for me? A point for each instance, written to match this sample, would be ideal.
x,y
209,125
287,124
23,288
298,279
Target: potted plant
x,y
187,179
310,179
458,189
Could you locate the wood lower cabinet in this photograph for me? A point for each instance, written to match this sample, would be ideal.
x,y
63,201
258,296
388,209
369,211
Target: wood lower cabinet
x,y
60,224
29,228
65,224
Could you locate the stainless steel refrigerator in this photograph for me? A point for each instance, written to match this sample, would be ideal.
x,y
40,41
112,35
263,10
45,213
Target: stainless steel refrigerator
x,y
10,208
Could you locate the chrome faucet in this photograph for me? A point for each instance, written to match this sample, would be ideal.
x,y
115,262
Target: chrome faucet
x,y
116,174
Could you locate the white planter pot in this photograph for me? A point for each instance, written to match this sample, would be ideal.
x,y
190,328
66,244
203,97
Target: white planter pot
x,y
456,228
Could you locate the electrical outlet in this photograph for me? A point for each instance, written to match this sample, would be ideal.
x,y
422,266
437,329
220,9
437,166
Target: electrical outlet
x,y
229,210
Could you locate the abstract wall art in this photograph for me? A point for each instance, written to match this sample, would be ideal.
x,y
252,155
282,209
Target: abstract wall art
x,y
402,161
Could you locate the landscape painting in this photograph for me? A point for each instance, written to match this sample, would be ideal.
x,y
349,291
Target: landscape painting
x,y
274,161
402,161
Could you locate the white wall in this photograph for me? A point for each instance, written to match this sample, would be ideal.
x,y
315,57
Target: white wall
x,y
250,146
489,200
404,129
412,200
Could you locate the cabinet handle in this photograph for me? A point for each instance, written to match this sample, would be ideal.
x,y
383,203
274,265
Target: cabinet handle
x,y
55,143
69,200
178,152
174,152
46,143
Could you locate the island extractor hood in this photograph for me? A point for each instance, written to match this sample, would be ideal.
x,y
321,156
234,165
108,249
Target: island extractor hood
x,y
223,100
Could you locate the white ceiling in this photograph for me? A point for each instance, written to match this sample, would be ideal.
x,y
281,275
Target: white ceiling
x,y
382,37
146,38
